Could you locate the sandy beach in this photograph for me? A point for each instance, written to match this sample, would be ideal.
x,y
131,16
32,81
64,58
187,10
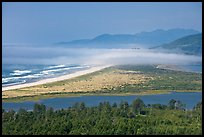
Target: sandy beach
x,y
60,78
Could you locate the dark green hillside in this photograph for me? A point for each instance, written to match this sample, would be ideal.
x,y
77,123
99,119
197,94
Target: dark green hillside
x,y
191,44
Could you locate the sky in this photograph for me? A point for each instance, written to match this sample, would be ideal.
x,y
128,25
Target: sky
x,y
48,23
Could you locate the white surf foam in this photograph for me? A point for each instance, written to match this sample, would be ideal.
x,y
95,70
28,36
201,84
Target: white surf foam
x,y
20,72
11,79
15,83
57,66
17,74
61,69
32,76
4,80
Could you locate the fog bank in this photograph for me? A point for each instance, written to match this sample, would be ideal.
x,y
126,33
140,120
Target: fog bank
x,y
50,55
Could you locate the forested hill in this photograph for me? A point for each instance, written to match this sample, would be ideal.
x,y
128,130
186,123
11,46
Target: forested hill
x,y
191,44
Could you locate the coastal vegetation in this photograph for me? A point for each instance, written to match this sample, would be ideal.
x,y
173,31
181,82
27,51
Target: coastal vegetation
x,y
116,80
136,118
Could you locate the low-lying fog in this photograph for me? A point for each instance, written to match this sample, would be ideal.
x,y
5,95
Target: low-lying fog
x,y
59,55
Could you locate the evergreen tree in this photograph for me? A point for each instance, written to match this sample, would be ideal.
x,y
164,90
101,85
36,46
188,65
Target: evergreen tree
x,y
138,105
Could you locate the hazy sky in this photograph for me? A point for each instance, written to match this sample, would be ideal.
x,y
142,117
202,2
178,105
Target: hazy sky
x,y
46,23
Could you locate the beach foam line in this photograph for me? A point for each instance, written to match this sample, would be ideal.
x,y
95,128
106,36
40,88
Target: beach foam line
x,y
60,78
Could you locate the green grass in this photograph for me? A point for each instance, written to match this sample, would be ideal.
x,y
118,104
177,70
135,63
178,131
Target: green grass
x,y
164,79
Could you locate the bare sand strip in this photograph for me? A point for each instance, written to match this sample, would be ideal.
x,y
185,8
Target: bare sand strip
x,y
60,78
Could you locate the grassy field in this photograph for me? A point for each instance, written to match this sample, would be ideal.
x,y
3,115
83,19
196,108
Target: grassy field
x,y
117,80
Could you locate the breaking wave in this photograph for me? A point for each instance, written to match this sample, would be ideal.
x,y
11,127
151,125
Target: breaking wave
x,y
22,76
57,66
20,72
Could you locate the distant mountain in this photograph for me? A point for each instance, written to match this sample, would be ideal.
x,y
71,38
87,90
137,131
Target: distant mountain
x,y
149,39
191,44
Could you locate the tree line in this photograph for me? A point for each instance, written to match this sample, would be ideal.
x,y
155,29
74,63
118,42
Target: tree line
x,y
105,119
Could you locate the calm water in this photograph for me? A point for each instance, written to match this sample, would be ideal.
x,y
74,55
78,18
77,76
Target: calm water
x,y
189,98
191,67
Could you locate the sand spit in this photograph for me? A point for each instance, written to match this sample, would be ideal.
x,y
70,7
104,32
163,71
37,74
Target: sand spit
x,y
60,78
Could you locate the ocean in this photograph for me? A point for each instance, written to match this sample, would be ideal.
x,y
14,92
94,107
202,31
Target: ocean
x,y
13,74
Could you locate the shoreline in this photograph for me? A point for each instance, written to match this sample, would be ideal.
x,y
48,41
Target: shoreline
x,y
55,79
61,87
67,95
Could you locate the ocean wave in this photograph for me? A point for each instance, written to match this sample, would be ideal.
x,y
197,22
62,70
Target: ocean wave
x,y
32,76
15,83
11,79
16,76
48,71
20,72
61,69
57,66
5,80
